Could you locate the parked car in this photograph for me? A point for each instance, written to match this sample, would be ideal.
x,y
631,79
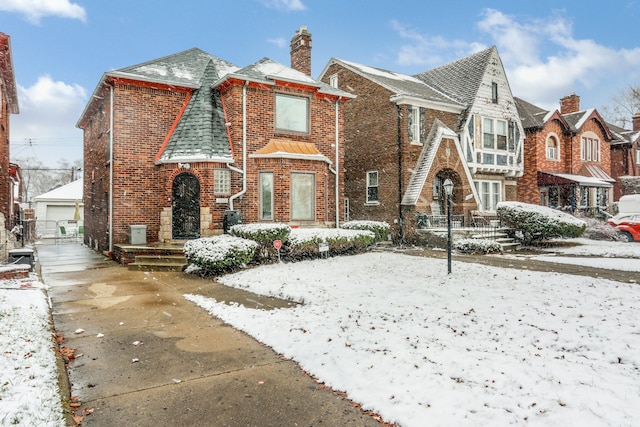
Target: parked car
x,y
628,224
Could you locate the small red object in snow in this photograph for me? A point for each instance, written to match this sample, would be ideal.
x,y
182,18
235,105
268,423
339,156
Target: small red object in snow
x,y
277,244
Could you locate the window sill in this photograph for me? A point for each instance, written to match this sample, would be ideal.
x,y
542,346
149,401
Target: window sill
x,y
372,204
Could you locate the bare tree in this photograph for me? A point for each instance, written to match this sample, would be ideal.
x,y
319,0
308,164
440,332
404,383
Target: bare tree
x,y
39,179
623,106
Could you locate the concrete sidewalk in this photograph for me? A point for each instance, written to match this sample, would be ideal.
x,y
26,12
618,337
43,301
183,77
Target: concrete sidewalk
x,y
148,357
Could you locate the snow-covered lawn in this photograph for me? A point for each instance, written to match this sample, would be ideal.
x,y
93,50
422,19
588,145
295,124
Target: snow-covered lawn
x,y
483,346
29,394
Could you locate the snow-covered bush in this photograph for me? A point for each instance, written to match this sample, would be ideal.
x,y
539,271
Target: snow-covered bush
x,y
214,255
477,246
600,230
380,228
262,233
535,223
305,242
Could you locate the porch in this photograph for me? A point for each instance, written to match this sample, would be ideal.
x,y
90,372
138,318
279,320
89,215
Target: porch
x,y
151,256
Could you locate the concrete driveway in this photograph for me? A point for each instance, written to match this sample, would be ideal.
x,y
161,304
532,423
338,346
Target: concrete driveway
x,y
145,356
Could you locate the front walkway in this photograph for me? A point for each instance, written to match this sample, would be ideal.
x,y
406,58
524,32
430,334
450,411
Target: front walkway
x,y
145,356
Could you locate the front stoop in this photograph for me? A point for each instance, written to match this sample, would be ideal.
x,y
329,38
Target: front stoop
x,y
158,263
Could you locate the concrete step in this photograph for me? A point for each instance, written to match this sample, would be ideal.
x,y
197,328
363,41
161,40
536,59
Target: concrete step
x,y
158,263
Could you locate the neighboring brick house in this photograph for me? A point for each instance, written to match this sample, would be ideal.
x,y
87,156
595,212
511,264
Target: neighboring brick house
x,y
8,105
625,158
190,143
567,157
405,135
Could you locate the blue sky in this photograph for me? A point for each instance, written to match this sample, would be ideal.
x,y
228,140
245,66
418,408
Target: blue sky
x,y
550,49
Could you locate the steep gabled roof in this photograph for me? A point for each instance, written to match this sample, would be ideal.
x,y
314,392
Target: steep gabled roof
x,y
531,115
460,79
623,136
184,69
397,83
425,161
7,75
201,134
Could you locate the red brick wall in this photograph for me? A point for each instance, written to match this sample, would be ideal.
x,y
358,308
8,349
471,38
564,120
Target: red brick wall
x,y
372,128
535,156
5,182
260,106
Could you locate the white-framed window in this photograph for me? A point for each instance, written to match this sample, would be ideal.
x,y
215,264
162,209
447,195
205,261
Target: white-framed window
x,y
222,181
303,192
638,156
417,131
494,93
266,195
494,134
333,81
490,194
292,113
372,186
553,148
590,149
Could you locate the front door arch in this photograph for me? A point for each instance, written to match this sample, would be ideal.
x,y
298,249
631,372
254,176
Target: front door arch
x,y
185,211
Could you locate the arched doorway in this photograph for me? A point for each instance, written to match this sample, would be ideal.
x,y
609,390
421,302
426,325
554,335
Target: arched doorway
x,y
185,211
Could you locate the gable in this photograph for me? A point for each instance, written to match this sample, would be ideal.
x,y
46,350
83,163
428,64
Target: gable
x,y
426,159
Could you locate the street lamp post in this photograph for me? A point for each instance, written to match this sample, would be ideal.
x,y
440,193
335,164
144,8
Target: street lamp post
x,y
448,188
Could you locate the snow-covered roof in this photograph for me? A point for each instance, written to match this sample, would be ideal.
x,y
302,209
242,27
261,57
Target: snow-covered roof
x,y
72,191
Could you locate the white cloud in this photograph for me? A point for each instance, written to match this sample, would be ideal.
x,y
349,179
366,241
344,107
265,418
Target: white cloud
x,y
34,10
284,4
426,50
280,42
49,111
542,58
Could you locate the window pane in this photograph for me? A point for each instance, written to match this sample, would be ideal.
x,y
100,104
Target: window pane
x,y
501,134
291,113
372,186
302,196
266,196
487,136
221,181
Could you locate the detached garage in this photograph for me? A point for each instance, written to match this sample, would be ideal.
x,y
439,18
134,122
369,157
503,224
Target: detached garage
x,y
61,207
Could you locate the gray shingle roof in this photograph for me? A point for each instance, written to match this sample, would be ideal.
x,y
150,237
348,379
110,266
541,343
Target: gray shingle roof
x,y
460,79
184,68
530,115
397,83
201,134
266,70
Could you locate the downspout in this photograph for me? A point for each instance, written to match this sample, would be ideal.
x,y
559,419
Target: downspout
x,y
111,169
400,227
337,169
244,148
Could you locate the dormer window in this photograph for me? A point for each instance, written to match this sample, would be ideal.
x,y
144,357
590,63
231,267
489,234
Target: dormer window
x,y
552,148
292,113
494,93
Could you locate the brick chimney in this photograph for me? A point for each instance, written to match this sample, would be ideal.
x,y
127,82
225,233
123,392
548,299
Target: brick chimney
x,y
570,104
636,122
301,51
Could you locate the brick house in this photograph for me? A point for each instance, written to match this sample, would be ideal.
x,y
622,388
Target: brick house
x,y
567,157
9,172
625,157
188,144
405,135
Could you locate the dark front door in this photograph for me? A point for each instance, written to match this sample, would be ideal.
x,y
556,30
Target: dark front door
x,y
186,207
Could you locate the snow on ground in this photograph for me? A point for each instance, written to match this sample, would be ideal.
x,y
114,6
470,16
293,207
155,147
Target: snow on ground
x,y
609,255
482,346
29,393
